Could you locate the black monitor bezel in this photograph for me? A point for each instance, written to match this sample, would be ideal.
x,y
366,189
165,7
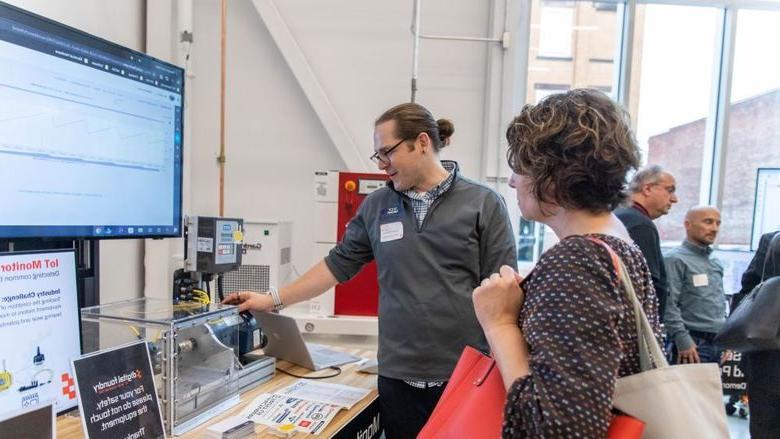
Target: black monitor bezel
x,y
46,231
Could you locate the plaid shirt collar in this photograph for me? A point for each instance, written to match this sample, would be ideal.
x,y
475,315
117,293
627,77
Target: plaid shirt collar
x,y
439,189
433,193
422,201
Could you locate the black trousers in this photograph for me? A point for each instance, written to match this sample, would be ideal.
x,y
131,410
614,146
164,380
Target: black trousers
x,y
762,371
404,409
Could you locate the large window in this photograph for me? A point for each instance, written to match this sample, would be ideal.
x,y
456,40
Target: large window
x,y
754,120
572,44
672,95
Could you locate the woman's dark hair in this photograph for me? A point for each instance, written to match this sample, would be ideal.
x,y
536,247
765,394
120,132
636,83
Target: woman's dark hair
x,y
576,148
412,119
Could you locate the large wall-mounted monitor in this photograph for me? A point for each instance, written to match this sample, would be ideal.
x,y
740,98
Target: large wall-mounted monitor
x,y
39,329
90,135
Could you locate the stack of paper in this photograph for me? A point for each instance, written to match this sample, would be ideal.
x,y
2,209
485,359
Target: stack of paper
x,y
236,427
308,405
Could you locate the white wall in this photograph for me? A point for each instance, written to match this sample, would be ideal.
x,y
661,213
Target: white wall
x,y
123,22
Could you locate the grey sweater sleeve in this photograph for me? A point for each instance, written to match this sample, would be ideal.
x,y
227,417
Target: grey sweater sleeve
x,y
675,326
497,241
348,257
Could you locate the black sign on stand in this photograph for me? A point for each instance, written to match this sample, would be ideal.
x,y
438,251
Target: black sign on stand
x,y
116,393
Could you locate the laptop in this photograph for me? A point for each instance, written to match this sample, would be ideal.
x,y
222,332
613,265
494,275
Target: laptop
x,y
286,343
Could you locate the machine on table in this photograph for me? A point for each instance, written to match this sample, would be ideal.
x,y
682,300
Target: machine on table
x,y
214,246
202,352
194,353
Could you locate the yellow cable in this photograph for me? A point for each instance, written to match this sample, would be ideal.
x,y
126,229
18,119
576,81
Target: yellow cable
x,y
203,295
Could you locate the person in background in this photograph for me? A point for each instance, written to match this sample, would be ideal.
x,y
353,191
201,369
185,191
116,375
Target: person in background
x,y
696,308
434,235
755,271
652,191
762,368
562,336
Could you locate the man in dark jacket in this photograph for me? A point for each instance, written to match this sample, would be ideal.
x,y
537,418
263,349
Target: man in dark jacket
x,y
755,271
652,195
762,368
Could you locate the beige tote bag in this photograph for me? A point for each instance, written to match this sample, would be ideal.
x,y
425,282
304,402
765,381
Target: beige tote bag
x,y
681,401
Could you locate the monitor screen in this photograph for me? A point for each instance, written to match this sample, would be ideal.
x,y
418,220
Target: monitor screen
x,y
39,326
90,135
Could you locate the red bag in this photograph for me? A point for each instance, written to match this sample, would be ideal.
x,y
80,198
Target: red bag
x,y
625,427
472,404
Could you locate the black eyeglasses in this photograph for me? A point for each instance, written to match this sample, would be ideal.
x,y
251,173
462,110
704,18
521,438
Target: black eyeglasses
x,y
384,156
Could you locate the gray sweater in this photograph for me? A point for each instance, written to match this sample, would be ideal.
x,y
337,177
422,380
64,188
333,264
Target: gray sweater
x,y
427,275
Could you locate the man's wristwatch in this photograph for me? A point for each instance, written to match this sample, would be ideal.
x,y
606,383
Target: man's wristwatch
x,y
274,293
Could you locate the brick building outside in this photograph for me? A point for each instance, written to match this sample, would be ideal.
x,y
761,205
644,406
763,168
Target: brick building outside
x,y
753,142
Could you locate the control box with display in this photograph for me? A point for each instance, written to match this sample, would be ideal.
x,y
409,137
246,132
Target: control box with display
x,y
214,245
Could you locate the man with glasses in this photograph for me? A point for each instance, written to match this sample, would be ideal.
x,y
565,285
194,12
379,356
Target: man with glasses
x,y
652,192
434,235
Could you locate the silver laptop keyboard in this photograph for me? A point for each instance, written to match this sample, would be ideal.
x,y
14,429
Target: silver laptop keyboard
x,y
322,355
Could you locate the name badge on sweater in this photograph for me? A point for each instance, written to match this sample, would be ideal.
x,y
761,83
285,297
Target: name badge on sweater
x,y
391,231
700,280
391,214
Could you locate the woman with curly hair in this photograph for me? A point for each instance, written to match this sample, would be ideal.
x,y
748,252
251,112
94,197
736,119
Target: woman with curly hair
x,y
562,336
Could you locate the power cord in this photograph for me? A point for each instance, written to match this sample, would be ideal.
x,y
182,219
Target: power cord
x,y
220,288
336,368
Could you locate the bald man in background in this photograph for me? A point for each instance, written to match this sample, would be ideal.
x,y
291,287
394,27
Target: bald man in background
x,y
696,307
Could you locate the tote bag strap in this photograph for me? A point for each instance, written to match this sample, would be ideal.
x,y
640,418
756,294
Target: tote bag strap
x,y
650,353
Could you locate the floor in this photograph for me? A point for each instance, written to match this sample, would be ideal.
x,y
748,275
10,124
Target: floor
x,y
738,427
